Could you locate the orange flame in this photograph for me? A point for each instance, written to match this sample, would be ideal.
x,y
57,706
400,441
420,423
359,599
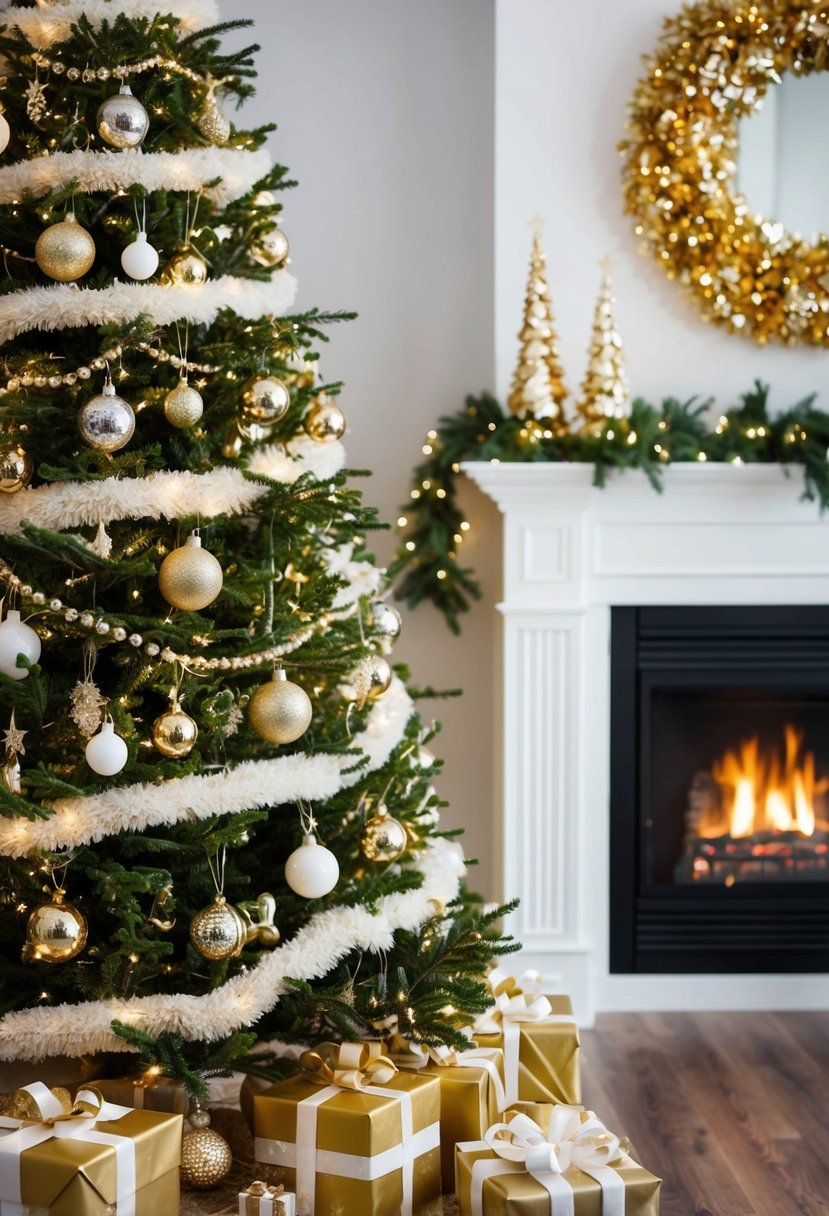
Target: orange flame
x,y
762,792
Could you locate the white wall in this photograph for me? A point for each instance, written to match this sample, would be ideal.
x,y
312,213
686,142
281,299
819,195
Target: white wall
x,y
385,112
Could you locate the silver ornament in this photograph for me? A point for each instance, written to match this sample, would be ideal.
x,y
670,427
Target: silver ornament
x,y
122,120
106,421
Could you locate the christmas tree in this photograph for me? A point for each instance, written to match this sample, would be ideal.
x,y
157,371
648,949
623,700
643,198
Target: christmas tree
x,y
538,388
217,819
605,392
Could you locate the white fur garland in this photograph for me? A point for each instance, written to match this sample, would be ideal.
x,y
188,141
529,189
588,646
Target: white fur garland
x,y
66,305
251,784
165,495
76,1030
45,26
107,172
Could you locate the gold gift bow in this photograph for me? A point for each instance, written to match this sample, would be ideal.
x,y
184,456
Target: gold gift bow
x,y
570,1141
260,1190
420,1055
354,1066
50,1119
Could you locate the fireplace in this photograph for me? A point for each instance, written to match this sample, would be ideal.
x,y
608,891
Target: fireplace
x,y
719,789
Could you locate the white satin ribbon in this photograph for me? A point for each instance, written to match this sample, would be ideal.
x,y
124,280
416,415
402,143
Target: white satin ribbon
x,y
419,1055
308,1160
16,1136
506,1017
521,1146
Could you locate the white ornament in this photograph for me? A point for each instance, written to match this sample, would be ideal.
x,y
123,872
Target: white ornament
x,y
5,132
312,870
140,259
106,753
17,638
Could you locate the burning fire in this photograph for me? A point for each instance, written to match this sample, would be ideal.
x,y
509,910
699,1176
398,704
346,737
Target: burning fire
x,y
764,792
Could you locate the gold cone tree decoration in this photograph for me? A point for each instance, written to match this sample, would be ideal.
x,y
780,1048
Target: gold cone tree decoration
x,y
538,389
605,393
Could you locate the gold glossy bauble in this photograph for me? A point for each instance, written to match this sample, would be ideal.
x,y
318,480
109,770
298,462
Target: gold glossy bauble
x,y
271,250
280,711
372,678
55,932
174,733
384,620
325,422
183,406
218,931
65,251
185,268
190,578
205,1159
265,399
213,123
106,421
15,469
122,120
383,837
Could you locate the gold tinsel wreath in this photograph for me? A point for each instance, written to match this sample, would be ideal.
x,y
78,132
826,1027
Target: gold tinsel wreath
x,y
713,65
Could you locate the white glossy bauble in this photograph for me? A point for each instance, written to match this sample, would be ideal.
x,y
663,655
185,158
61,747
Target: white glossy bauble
x,y
5,133
106,753
17,638
122,120
312,870
106,421
139,259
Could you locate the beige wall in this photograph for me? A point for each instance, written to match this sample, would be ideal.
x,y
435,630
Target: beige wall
x,y
385,112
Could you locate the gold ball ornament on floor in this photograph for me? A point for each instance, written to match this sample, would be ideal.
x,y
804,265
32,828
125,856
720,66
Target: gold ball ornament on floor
x,y
325,422
15,468
271,250
190,578
65,251
174,733
186,268
122,120
183,406
280,711
205,1155
106,421
218,931
383,837
265,399
55,932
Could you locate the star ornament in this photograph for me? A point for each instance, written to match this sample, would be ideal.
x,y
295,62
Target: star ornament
x,y
13,739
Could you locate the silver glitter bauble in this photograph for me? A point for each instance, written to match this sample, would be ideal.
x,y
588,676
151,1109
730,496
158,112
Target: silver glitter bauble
x,y
106,421
122,120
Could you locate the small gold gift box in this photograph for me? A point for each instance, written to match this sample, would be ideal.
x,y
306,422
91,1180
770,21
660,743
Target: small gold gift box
x,y
146,1091
262,1200
568,1164
539,1038
88,1158
353,1134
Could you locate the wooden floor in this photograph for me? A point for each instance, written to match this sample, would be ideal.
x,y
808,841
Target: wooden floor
x,y
731,1110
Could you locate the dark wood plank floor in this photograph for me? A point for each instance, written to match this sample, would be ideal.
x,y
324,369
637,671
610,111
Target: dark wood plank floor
x,y
731,1110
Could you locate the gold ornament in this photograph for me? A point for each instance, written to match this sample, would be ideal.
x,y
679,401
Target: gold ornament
x,y
190,578
213,123
106,421
55,932
183,405
265,399
605,393
271,250
371,678
10,774
384,621
259,917
218,931
185,268
383,837
16,469
205,1155
538,389
174,732
65,251
280,711
325,422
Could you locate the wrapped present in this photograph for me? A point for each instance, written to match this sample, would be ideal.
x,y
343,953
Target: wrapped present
x,y
353,1134
148,1090
573,1166
263,1200
539,1037
471,1092
86,1158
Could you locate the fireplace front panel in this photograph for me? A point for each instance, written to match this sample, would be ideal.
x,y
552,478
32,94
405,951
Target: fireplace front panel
x,y
719,789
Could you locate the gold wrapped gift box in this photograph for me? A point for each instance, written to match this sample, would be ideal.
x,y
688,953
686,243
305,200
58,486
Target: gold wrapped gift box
x,y
548,1056
159,1198
145,1092
359,1152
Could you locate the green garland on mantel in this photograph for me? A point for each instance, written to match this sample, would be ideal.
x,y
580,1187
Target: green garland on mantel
x,y
427,565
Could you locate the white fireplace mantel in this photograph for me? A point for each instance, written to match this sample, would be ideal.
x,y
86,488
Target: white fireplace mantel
x,y
717,534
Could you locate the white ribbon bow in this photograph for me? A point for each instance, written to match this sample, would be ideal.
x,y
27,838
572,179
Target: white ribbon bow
x,y
419,1055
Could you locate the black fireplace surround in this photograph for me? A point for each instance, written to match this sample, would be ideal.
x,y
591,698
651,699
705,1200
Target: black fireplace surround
x,y
686,684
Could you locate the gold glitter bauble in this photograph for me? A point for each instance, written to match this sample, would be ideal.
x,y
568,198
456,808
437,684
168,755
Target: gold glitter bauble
x,y
15,469
218,931
65,251
271,250
205,1159
174,733
183,405
213,123
55,932
383,837
325,422
190,578
185,268
280,711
